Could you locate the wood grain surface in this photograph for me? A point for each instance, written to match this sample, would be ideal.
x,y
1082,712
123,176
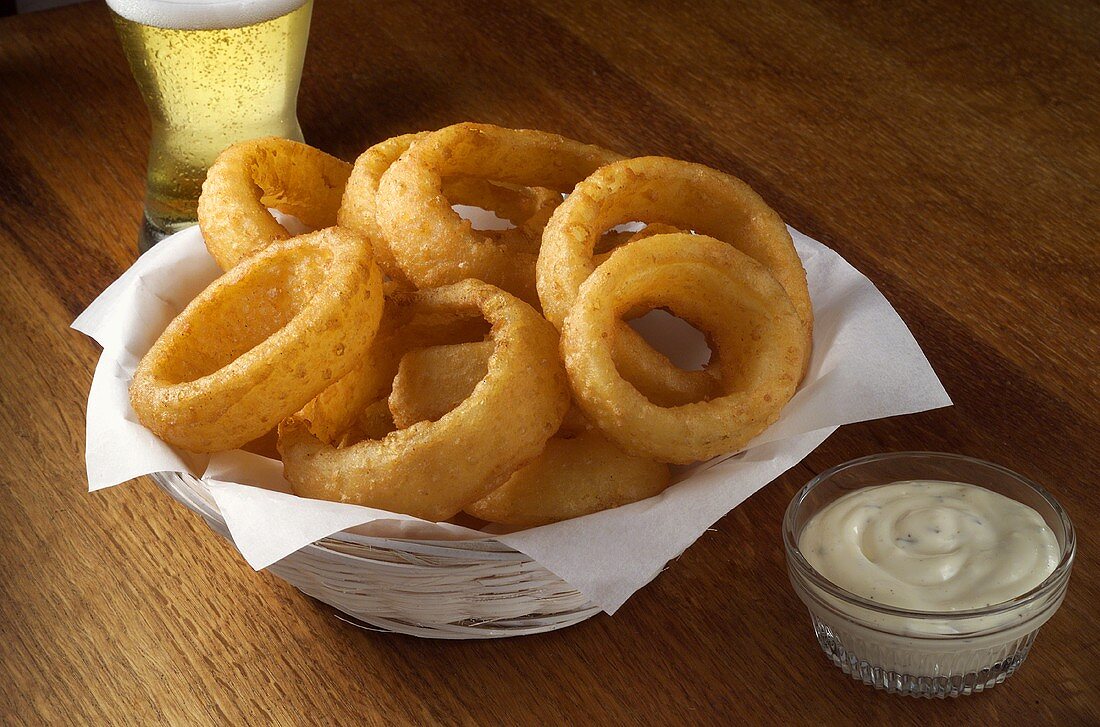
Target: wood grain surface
x,y
950,154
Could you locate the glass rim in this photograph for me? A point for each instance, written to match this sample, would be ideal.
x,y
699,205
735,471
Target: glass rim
x,y
1056,580
208,4
186,15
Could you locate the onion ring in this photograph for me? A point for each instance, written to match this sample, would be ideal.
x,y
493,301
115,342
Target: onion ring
x,y
432,381
527,208
753,323
503,424
572,476
649,370
336,415
578,472
432,244
261,341
251,176
689,197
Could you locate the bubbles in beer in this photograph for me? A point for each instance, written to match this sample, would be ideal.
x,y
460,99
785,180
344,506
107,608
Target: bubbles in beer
x,y
208,88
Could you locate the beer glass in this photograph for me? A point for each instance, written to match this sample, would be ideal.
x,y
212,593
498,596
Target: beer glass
x,y
212,72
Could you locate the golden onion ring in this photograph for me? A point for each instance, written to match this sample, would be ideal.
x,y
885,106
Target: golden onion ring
x,y
755,328
432,381
574,475
578,472
336,415
689,197
527,208
260,342
432,244
434,469
251,176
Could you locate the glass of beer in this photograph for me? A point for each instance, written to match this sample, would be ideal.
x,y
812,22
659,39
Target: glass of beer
x,y
212,73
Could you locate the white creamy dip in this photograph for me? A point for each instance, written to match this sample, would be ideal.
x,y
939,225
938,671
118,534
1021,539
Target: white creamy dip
x,y
926,545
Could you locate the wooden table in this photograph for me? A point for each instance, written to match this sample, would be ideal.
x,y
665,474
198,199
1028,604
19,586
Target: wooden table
x,y
951,155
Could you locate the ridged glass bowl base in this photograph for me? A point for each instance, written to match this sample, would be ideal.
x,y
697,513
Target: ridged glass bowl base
x,y
1006,660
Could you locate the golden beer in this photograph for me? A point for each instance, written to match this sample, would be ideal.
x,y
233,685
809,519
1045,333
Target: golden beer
x,y
211,73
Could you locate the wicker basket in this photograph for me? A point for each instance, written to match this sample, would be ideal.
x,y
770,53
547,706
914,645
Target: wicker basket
x,y
479,589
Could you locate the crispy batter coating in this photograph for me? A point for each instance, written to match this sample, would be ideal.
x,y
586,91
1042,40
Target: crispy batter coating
x,y
755,328
434,469
432,381
688,197
431,243
572,476
388,374
336,415
578,472
529,208
261,341
251,176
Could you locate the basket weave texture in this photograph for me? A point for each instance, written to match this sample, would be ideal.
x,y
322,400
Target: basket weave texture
x,y
477,589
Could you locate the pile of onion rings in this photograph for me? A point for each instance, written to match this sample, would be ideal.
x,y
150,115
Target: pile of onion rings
x,y
406,361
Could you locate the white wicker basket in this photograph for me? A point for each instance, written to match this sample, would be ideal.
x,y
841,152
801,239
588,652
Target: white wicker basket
x,y
436,589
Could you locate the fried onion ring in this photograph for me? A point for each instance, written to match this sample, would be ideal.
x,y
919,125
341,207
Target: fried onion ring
x,y
432,381
336,415
649,370
261,341
573,476
432,244
526,207
578,472
689,197
251,176
434,469
753,324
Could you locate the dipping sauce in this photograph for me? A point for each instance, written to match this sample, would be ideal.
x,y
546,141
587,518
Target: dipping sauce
x,y
927,545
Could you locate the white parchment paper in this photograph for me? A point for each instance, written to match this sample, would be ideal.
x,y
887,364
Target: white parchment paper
x,y
865,365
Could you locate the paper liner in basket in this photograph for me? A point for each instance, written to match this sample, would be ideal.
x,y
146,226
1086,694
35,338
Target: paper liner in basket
x,y
865,365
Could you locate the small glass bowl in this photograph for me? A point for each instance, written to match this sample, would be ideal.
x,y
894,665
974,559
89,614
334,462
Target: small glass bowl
x,y
924,653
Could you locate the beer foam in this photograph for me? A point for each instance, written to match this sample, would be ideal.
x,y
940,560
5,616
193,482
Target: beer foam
x,y
202,14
